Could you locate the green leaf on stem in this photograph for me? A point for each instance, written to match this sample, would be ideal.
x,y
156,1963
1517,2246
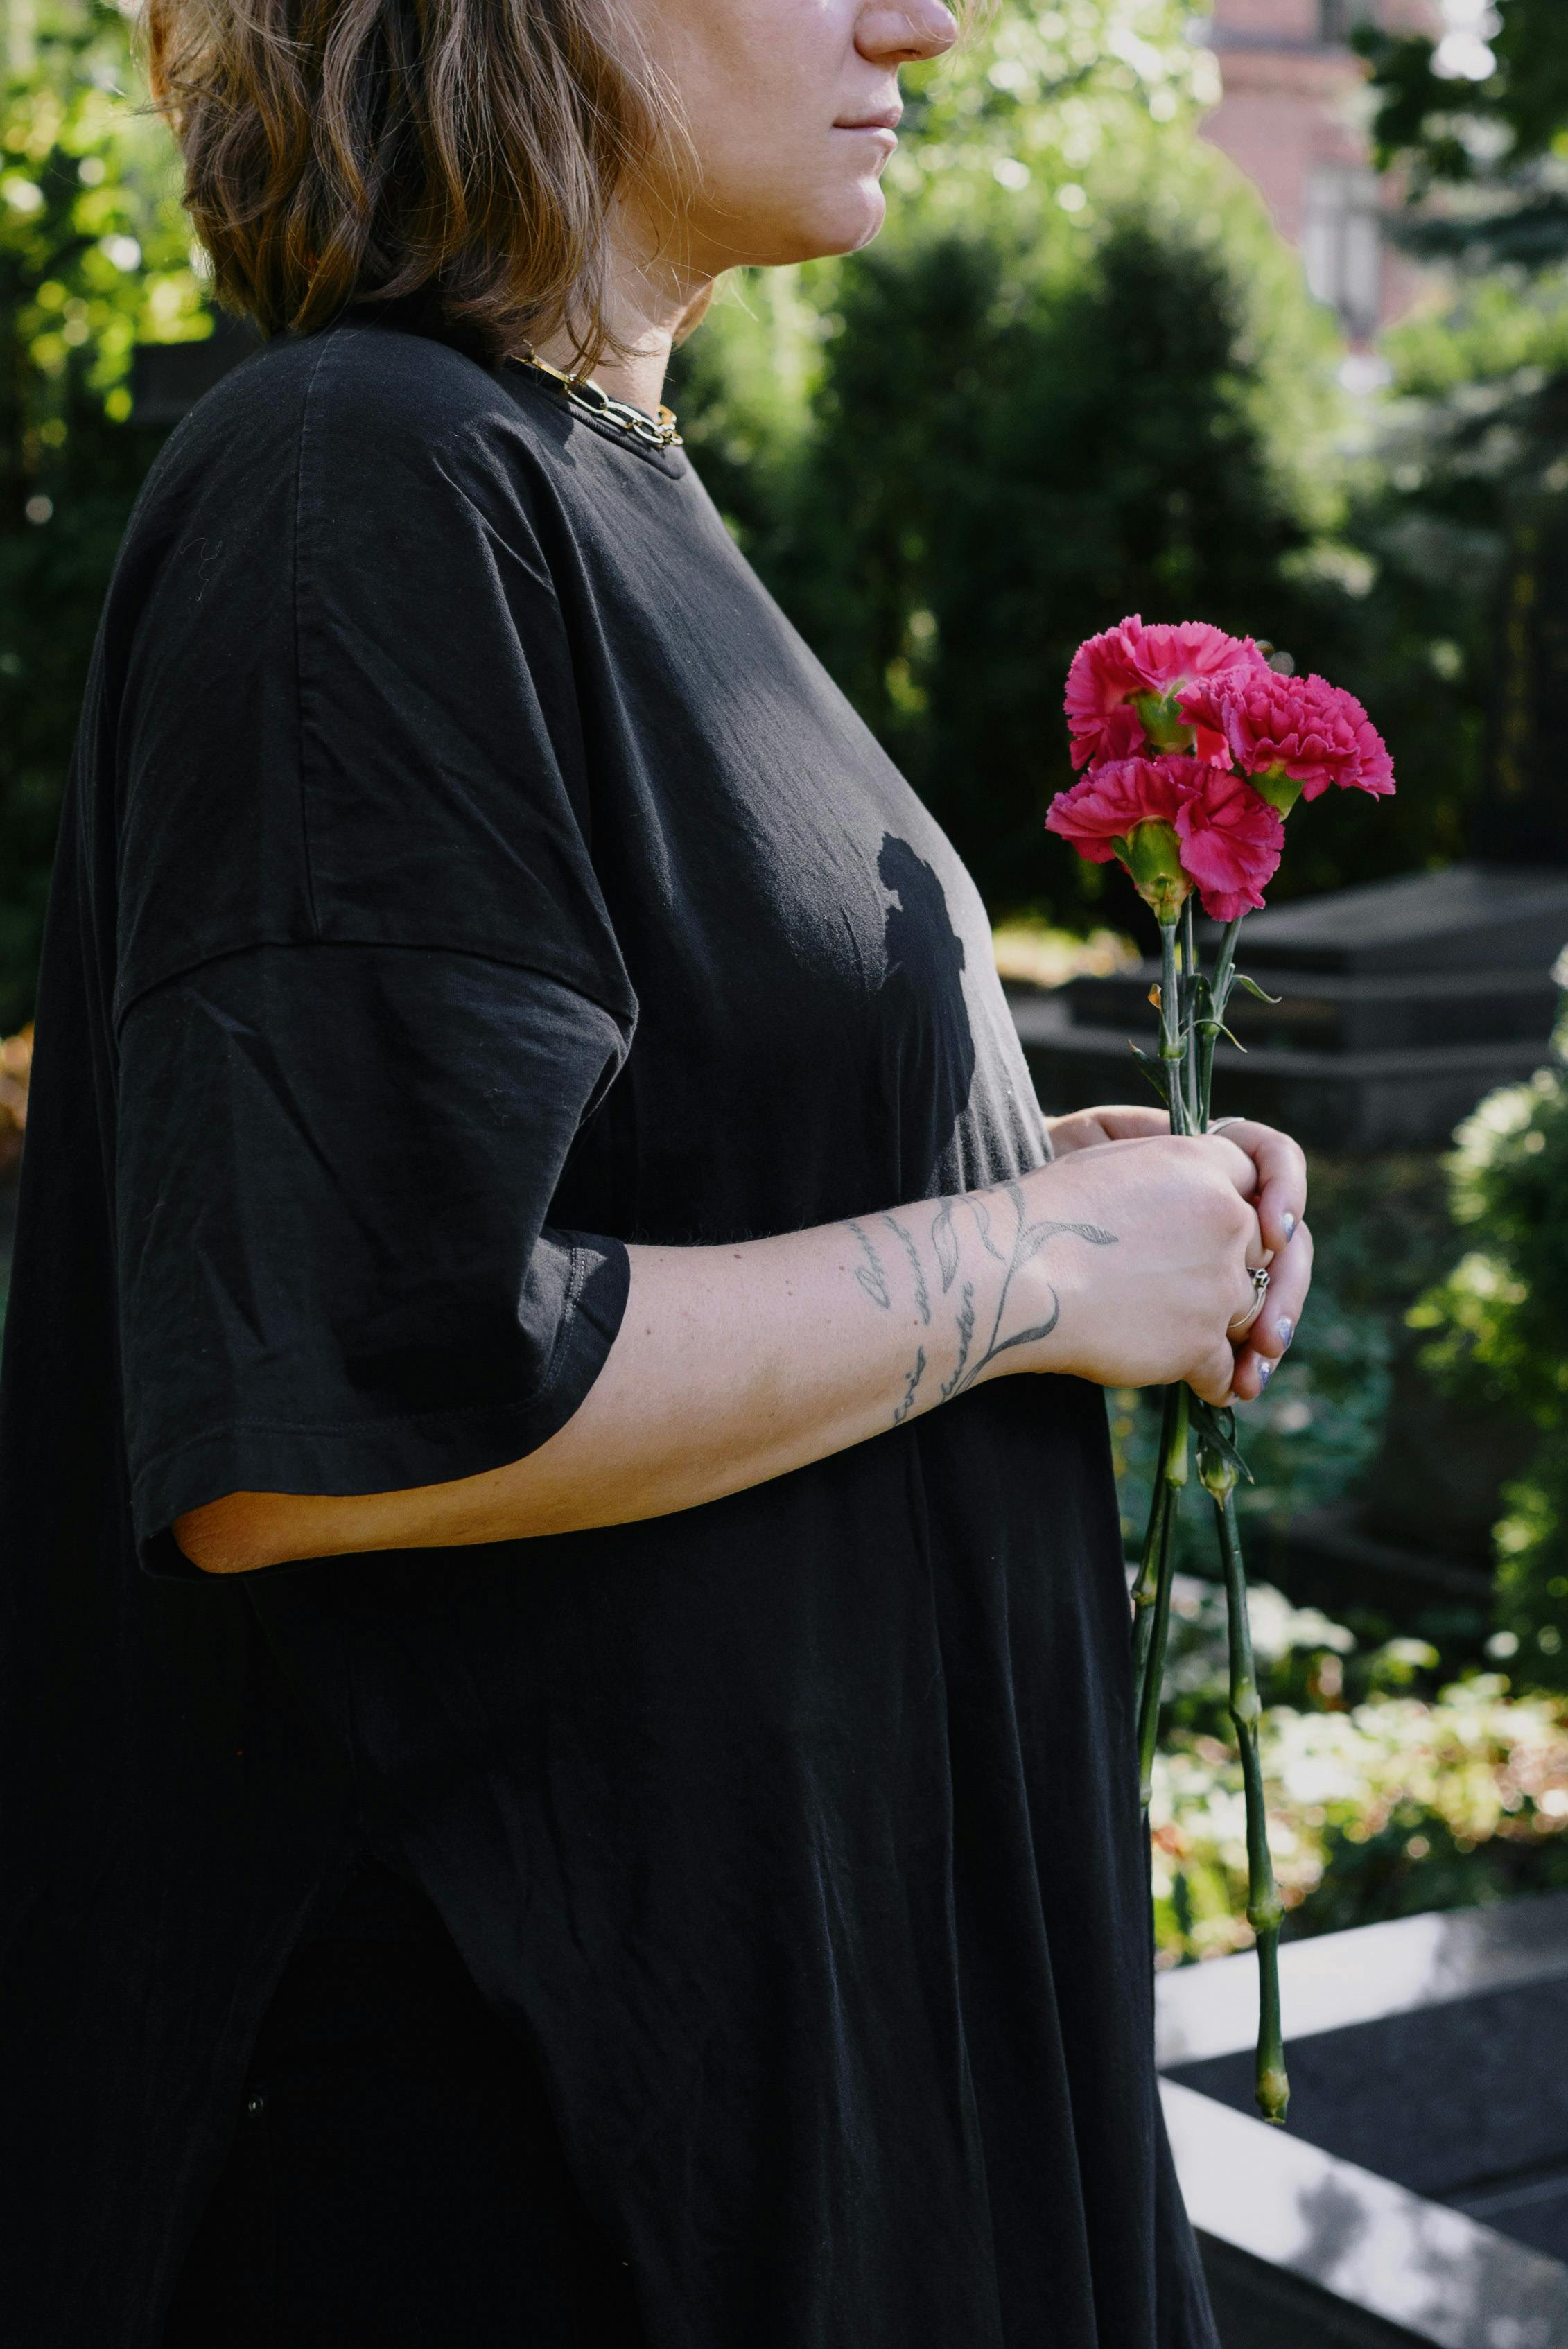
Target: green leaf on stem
x,y
1220,1441
1153,1071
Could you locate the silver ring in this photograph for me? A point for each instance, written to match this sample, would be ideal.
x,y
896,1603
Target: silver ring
x,y
1260,1280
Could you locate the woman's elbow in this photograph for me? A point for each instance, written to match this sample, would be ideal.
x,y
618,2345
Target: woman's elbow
x,y
228,1537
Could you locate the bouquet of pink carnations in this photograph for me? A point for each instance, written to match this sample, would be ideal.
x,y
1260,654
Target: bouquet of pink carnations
x,y
1197,746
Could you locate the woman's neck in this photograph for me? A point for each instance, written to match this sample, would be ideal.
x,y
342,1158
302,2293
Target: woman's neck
x,y
646,305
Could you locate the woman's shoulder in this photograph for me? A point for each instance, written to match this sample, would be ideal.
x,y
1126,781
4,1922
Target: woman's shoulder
x,y
364,462
355,397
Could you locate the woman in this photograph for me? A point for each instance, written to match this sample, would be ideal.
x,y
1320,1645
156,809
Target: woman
x,y
570,1771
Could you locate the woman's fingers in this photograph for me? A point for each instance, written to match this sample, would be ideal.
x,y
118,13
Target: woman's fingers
x,y
1289,1279
1250,1306
1240,1167
1280,1176
1214,1379
1087,1129
1277,1324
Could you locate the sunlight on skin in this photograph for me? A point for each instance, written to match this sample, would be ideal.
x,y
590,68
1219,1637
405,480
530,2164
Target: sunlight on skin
x,y
790,157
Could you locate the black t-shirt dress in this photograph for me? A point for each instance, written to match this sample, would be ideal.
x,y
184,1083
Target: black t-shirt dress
x,y
466,871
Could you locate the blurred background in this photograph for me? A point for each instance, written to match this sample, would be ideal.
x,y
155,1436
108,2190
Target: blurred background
x,y
1259,317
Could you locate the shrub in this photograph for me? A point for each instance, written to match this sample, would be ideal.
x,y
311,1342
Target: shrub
x,y
1390,1792
1500,1325
92,258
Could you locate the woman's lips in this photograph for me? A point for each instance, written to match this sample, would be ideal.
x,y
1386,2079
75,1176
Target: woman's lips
x,y
874,126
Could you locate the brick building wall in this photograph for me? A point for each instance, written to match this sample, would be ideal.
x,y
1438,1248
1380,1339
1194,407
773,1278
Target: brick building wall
x,y
1293,117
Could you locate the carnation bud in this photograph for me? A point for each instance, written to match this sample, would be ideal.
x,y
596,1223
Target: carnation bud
x,y
1216,1472
1152,854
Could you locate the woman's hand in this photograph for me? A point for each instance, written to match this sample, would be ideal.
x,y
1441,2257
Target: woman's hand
x,y
1152,1302
1279,1197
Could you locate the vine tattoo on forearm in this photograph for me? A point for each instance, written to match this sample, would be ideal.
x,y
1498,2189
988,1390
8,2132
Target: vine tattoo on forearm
x,y
1013,1251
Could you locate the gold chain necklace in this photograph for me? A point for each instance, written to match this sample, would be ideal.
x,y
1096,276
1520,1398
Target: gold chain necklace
x,y
581,391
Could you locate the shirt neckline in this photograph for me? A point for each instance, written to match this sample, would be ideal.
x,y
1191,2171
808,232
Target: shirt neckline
x,y
669,461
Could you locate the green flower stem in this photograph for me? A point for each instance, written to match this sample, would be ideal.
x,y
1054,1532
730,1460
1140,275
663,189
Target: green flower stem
x,y
1191,991
1152,1595
1264,1911
1171,1049
1213,1021
1191,1019
1146,1589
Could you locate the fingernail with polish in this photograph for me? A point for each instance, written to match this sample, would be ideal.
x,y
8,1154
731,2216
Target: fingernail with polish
x,y
1289,1224
1265,1372
1286,1330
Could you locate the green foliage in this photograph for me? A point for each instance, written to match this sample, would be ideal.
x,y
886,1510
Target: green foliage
x,y
1473,482
1429,116
1391,1789
1463,484
93,259
1500,1325
1504,133
1093,452
1502,1315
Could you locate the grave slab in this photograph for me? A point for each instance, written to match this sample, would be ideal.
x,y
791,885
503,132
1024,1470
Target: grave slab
x,y
1305,2252
1401,1004
1469,916
1422,2186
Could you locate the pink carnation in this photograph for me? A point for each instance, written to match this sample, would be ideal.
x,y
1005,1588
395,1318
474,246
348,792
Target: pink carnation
x,y
1209,826
1100,814
1231,842
1302,727
1110,669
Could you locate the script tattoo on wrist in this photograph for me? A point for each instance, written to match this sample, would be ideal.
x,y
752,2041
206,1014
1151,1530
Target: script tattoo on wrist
x,y
976,1218
965,1335
916,1375
923,1295
871,1275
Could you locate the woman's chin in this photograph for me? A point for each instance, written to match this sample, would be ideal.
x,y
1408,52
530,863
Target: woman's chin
x,y
873,212
843,225
806,226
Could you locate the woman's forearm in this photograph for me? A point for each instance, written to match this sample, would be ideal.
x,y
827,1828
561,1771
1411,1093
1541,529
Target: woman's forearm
x,y
732,1365
1122,1262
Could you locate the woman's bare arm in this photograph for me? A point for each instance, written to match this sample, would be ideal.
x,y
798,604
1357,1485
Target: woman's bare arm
x,y
1122,1263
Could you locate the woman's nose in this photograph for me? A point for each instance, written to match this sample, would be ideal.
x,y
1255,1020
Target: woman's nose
x,y
898,32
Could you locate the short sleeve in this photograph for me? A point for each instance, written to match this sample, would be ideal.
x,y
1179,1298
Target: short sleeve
x,y
335,1168
368,988
346,688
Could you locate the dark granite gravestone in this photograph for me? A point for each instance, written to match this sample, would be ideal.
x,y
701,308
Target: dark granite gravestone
x,y
1401,1003
1420,2194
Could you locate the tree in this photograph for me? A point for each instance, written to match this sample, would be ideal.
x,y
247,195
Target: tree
x,y
1482,139
1497,1324
1493,123
92,258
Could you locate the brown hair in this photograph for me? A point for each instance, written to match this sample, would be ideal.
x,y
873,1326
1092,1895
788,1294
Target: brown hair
x,y
459,154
